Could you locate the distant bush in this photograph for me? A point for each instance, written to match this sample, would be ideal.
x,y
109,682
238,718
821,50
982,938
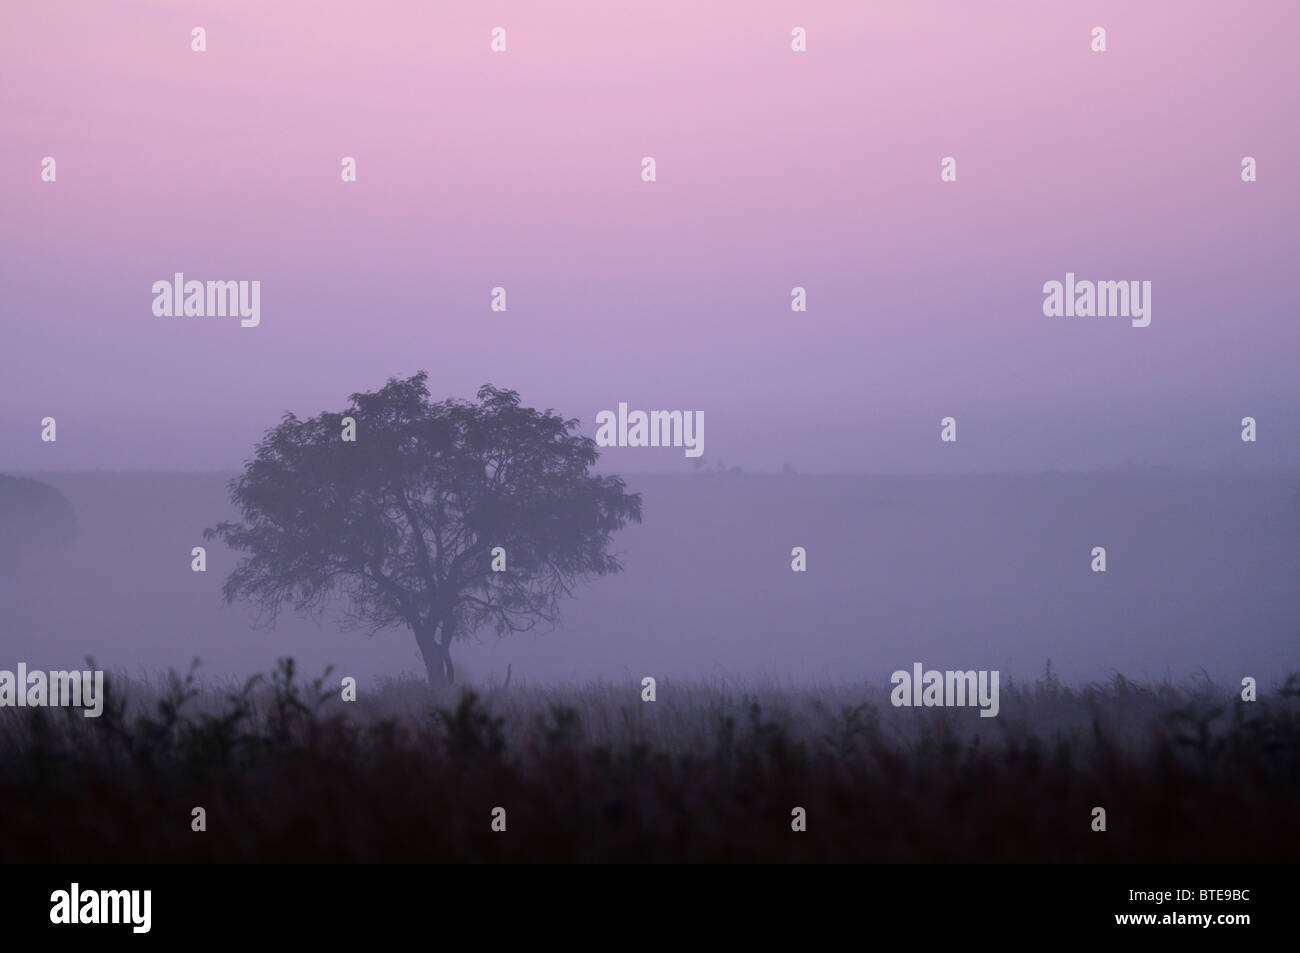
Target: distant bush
x,y
34,518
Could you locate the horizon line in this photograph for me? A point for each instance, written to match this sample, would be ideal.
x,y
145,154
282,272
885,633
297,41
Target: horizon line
x,y
1117,469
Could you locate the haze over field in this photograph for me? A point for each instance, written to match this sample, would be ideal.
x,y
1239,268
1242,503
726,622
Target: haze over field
x,y
957,572
776,170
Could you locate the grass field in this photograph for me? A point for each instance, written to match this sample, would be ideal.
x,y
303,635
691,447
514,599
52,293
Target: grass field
x,y
710,771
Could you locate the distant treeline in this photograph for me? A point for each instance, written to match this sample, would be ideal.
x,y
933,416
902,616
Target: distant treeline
x,y
34,517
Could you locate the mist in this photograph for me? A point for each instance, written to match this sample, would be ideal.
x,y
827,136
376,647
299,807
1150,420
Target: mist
x,y
987,572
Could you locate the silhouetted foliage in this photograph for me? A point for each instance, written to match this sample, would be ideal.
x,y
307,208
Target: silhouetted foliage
x,y
287,772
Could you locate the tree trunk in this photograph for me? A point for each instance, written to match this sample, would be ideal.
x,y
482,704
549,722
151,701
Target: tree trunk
x,y
436,656
448,633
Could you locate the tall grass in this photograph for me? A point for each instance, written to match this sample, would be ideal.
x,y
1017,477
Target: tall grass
x,y
710,771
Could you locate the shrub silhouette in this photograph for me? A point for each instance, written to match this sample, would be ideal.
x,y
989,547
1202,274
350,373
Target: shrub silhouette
x,y
288,772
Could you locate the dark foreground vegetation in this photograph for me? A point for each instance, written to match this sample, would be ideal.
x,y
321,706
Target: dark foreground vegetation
x,y
286,771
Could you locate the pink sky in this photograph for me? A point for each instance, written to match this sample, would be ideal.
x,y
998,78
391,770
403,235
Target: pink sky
x,y
775,169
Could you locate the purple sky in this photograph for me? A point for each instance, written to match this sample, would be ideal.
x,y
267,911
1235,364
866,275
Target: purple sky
x,y
775,169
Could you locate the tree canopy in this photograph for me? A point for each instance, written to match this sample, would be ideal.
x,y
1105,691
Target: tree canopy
x,y
445,517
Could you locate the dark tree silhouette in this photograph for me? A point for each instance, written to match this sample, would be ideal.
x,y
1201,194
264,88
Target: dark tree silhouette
x,y
399,527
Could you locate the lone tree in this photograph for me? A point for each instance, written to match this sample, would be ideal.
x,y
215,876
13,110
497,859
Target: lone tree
x,y
443,517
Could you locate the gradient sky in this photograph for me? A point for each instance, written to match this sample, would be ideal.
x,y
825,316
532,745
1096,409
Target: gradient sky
x,y
775,169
